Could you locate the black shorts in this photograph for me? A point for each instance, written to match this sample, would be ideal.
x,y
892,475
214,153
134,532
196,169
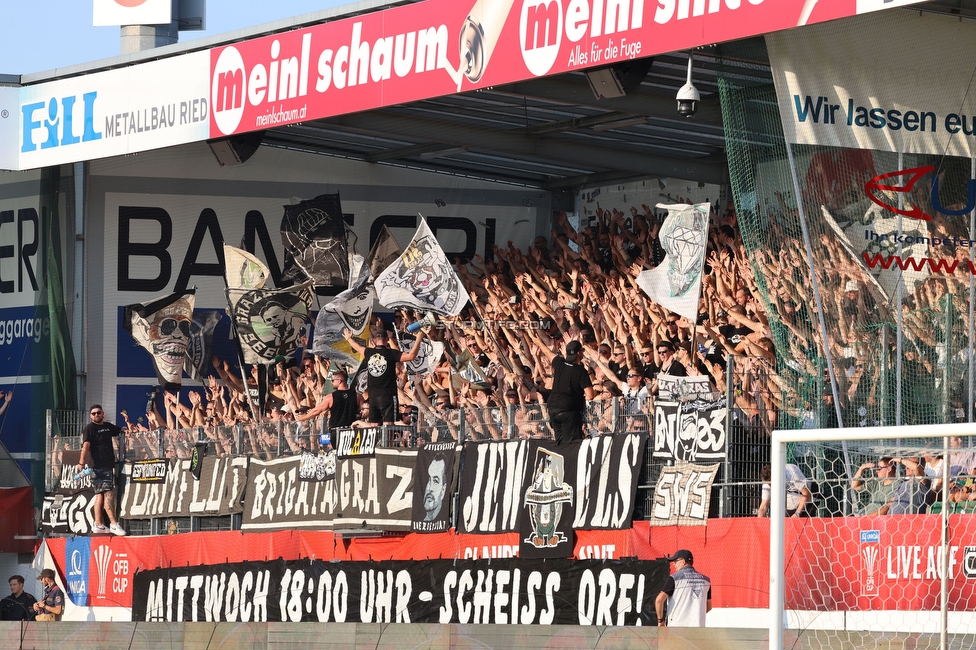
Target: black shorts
x,y
383,408
103,480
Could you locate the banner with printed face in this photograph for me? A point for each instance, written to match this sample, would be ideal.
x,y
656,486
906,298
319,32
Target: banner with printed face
x,y
692,431
350,310
218,492
830,93
676,283
269,322
314,236
434,478
682,495
554,592
422,278
163,327
602,473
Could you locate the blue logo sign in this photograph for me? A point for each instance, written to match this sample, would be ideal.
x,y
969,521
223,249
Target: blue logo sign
x,y
870,536
56,121
77,553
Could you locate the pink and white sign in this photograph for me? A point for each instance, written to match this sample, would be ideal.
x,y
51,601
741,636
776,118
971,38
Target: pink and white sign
x,y
441,47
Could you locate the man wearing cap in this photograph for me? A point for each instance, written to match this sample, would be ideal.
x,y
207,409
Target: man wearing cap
x,y
381,361
687,594
51,606
571,389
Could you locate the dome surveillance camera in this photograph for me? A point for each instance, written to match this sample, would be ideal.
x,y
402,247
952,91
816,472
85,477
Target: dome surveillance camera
x,y
688,98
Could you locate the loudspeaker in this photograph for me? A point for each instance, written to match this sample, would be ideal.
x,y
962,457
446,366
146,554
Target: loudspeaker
x,y
428,321
236,149
618,79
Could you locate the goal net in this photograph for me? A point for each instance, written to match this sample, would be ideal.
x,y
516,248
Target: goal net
x,y
885,554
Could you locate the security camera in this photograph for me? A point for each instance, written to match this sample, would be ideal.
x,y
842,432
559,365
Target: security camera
x,y
688,96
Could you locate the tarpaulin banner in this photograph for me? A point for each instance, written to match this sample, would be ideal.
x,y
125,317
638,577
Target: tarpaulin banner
x,y
442,47
68,514
602,473
218,492
375,492
830,92
434,477
682,495
692,431
513,591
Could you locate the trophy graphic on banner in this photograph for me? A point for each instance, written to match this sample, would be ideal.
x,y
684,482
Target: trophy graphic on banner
x,y
869,585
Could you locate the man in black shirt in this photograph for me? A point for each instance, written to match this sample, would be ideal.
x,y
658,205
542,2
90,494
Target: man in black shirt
x,y
98,452
19,605
342,403
571,389
381,362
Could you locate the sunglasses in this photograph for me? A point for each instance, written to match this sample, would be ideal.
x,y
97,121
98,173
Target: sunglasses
x,y
664,351
511,395
170,325
629,376
97,412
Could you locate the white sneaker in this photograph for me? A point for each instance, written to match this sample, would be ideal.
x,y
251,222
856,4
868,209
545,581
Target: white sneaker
x,y
100,530
117,530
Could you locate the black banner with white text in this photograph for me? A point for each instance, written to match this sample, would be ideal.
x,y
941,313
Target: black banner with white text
x,y
503,592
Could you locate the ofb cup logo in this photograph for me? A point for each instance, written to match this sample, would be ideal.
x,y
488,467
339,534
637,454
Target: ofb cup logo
x,y
540,34
103,558
870,540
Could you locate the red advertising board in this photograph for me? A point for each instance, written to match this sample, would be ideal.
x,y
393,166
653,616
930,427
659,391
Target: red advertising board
x,y
840,564
440,47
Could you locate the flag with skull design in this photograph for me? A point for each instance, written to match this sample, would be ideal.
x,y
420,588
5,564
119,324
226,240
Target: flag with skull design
x,y
675,284
162,327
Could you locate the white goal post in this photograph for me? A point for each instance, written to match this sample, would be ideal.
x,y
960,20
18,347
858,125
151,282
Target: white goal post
x,y
777,560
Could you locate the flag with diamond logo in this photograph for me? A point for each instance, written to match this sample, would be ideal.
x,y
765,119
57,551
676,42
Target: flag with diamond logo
x,y
675,284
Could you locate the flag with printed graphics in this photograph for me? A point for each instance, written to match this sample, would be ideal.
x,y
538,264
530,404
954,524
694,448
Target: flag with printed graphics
x,y
350,310
428,354
675,284
422,278
384,252
243,270
314,236
163,328
201,340
269,322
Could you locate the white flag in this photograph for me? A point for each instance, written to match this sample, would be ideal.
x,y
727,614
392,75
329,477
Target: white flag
x,y
676,283
422,278
243,270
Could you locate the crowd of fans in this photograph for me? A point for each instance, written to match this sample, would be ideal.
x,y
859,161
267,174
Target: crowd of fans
x,y
578,284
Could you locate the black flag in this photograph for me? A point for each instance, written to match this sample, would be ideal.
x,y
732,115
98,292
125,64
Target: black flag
x,y
314,234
